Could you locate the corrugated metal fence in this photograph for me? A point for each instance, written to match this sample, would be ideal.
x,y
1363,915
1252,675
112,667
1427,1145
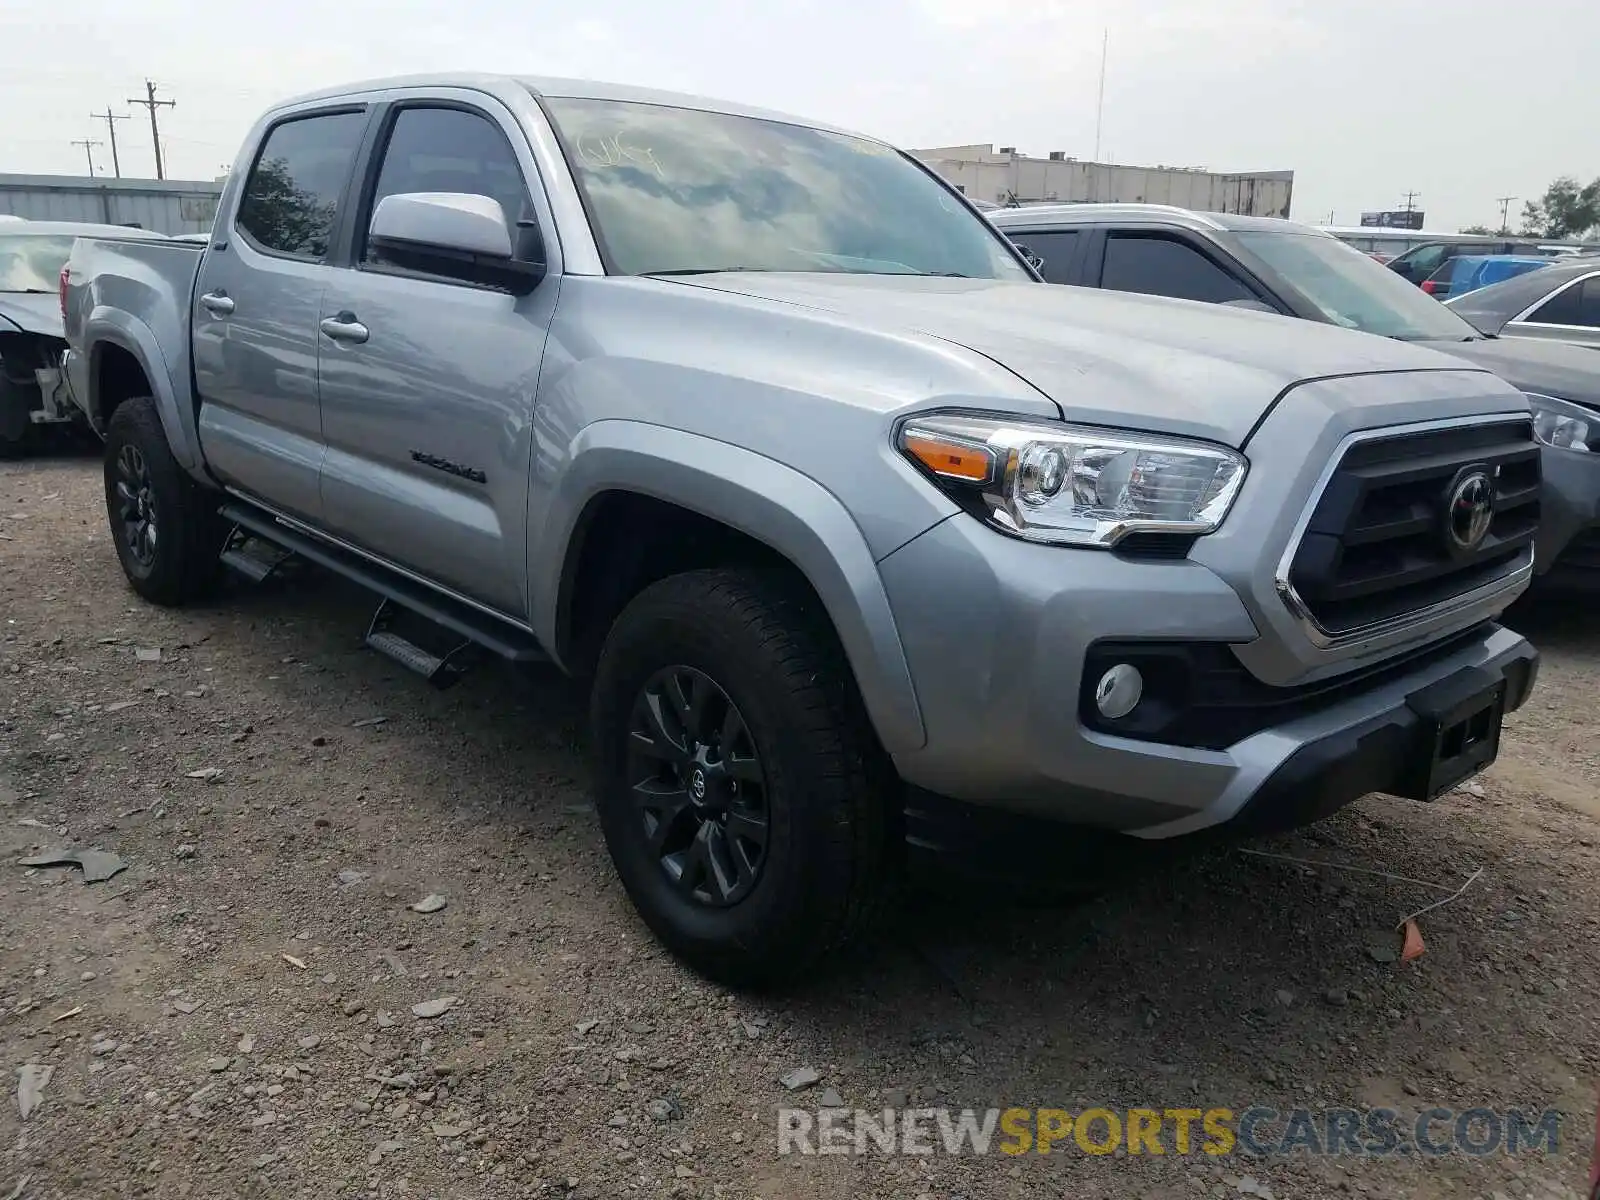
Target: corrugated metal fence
x,y
164,205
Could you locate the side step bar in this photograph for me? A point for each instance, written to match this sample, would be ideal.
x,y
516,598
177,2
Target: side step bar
x,y
439,669
240,555
471,627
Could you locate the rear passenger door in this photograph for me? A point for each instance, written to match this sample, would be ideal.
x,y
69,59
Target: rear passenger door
x,y
1162,263
254,320
428,411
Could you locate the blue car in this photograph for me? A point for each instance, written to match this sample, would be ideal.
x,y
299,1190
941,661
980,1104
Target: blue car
x,y
1469,272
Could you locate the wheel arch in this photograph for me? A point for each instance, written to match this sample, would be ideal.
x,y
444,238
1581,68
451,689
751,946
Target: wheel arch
x,y
680,501
121,352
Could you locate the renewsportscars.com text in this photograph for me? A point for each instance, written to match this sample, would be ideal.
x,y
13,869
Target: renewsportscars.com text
x,y
1257,1130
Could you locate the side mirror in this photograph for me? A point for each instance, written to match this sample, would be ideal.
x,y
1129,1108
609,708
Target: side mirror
x,y
458,235
1032,259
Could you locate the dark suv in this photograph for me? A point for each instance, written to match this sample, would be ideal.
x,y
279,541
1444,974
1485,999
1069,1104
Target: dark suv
x,y
1420,262
1285,267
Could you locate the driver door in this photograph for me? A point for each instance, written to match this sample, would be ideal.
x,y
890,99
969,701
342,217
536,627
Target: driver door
x,y
427,384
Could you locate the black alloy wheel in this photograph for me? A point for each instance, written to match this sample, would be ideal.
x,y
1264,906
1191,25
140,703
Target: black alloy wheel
x,y
699,786
136,507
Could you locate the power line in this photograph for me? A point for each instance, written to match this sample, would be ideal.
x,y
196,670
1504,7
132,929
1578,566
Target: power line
x,y
111,125
88,145
1505,206
152,104
1100,103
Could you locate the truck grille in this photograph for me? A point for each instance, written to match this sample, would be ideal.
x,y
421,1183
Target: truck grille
x,y
1413,520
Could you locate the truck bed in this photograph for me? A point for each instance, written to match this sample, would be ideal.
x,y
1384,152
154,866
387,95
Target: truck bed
x,y
136,293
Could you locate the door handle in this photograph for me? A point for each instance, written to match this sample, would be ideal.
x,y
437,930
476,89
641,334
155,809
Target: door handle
x,y
218,303
344,328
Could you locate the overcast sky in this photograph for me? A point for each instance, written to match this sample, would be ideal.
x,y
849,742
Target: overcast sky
x,y
1362,99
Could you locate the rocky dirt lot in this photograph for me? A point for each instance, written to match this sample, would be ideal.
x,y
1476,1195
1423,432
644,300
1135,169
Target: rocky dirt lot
x,y
236,1014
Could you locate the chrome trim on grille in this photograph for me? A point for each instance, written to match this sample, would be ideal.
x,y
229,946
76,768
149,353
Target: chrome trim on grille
x,y
1510,583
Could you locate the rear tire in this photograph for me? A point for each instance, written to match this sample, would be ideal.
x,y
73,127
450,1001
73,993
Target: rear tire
x,y
17,435
789,854
165,525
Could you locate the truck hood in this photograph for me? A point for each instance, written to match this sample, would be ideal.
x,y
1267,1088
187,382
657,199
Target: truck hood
x,y
1558,369
1109,358
31,312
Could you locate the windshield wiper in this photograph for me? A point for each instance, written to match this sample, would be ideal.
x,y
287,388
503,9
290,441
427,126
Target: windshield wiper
x,y
27,291
699,271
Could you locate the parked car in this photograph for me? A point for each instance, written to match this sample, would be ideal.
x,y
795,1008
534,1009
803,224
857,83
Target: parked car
x,y
1420,262
1558,304
1291,269
863,537
32,395
1470,272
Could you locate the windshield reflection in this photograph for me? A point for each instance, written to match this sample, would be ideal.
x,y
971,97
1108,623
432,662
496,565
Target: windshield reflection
x,y
677,190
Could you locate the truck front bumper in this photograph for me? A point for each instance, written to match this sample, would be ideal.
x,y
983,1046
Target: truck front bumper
x,y
1568,553
999,634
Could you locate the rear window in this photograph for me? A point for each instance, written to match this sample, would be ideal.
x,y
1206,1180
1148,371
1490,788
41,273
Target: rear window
x,y
292,196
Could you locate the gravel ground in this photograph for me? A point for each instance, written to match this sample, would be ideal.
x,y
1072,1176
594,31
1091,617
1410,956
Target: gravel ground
x,y
233,1015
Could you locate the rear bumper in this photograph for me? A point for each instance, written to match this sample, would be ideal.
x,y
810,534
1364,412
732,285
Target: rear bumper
x,y
1568,554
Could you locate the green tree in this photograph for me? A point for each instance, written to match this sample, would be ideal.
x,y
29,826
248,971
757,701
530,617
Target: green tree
x,y
1567,209
282,215
1477,229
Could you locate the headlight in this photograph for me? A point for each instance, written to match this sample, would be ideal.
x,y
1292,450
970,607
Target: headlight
x,y
1074,485
1566,426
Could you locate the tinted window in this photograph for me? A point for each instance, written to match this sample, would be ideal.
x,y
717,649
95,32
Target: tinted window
x,y
1163,267
685,190
1057,249
1421,262
293,191
1577,305
451,150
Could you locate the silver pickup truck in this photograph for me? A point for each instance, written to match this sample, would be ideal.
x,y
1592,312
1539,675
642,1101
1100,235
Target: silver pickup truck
x,y
863,537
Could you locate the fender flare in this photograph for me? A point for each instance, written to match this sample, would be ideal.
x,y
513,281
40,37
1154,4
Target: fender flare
x,y
774,504
111,326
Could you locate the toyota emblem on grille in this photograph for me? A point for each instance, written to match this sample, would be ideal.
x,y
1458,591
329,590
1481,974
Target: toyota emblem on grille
x,y
1469,509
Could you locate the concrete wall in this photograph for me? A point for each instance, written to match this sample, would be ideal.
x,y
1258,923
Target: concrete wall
x,y
986,174
164,205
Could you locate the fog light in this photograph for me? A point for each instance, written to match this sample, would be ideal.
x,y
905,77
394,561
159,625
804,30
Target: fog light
x,y
1118,692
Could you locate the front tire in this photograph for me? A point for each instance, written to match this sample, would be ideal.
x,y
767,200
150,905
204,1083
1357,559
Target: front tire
x,y
742,793
165,525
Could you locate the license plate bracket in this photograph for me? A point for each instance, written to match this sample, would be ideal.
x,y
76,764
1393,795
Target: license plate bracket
x,y
1461,717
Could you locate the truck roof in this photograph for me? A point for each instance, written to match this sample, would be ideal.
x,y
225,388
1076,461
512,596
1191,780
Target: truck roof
x,y
1073,214
551,86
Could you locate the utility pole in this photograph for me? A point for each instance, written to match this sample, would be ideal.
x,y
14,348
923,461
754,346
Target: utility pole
x,y
111,126
1100,104
88,145
1505,219
152,104
1411,201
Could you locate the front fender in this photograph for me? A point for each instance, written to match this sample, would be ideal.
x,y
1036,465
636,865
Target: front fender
x,y
114,326
762,498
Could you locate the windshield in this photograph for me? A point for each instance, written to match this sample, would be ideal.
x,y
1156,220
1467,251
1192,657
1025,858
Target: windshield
x,y
33,263
1352,290
682,190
